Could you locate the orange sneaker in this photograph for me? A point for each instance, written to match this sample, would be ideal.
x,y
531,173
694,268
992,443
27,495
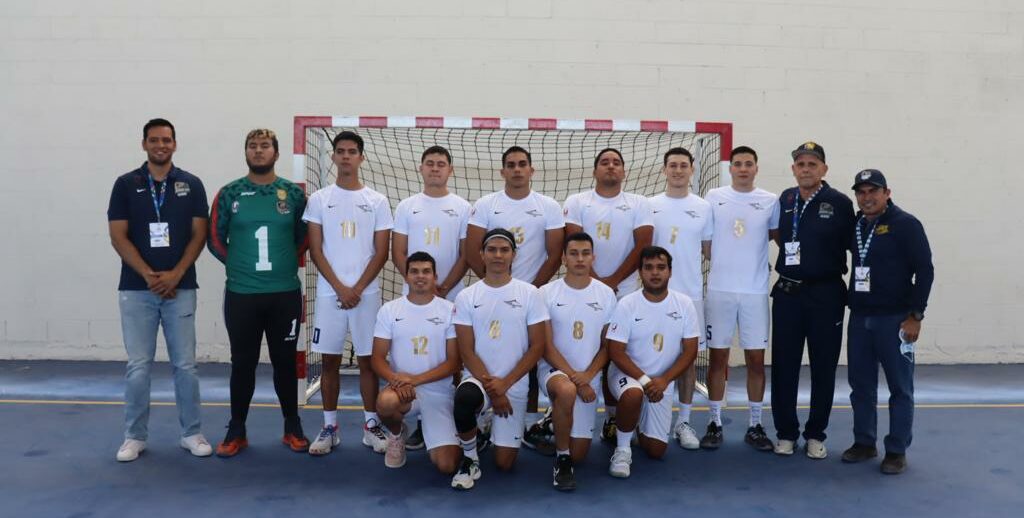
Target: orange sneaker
x,y
231,447
297,443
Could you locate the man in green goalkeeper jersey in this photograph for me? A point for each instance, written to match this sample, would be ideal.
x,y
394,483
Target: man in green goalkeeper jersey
x,y
256,230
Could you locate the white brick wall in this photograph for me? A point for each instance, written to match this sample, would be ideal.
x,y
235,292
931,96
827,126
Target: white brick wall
x,y
926,90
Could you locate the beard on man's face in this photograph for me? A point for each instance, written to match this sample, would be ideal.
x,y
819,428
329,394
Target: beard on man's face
x,y
260,169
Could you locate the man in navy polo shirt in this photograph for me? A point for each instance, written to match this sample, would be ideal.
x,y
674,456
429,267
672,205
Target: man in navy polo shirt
x,y
158,219
892,277
809,298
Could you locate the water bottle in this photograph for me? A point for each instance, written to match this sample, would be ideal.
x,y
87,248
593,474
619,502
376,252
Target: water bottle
x,y
906,348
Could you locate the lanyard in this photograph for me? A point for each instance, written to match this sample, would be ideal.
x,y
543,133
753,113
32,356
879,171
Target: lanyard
x,y
797,216
864,245
152,192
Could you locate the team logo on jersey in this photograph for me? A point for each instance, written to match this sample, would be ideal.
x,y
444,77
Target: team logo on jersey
x,y
364,208
181,189
435,320
674,315
450,212
756,205
282,194
692,213
234,207
282,207
623,207
513,303
825,210
534,213
595,306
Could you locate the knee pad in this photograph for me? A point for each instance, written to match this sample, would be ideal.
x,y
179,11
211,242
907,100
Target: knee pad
x,y
468,398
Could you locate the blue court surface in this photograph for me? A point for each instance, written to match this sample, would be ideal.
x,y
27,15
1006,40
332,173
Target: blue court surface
x,y
62,427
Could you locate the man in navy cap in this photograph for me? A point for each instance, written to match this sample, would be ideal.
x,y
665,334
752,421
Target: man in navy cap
x,y
809,298
892,277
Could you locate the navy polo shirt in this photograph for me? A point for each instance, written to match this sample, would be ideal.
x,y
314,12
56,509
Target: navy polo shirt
x,y
823,232
901,265
132,200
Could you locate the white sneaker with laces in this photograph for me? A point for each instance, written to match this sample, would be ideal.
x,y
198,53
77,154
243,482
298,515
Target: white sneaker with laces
x,y
130,450
197,445
816,449
785,447
374,436
619,466
467,475
687,437
394,455
325,442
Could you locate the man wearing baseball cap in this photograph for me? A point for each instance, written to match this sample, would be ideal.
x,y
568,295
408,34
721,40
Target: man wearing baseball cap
x,y
809,298
892,277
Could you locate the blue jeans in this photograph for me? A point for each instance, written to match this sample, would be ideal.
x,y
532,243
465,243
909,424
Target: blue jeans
x,y
142,312
872,340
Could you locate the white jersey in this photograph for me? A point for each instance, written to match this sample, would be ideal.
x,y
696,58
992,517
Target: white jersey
x,y
577,318
680,225
349,220
653,332
610,222
435,226
418,337
528,219
499,317
739,244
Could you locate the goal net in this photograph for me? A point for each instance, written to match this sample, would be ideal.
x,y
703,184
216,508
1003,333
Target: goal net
x,y
562,150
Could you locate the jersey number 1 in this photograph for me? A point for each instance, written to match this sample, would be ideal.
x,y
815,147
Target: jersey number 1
x,y
263,263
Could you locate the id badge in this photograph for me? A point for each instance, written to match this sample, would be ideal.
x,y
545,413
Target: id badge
x,y
792,253
159,235
862,278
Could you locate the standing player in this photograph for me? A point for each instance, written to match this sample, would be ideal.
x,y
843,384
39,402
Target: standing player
x,y
580,309
651,341
620,223
500,325
349,228
417,332
683,224
256,230
533,218
745,219
157,223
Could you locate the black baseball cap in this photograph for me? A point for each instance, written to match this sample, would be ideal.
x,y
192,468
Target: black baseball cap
x,y
810,148
871,176
499,233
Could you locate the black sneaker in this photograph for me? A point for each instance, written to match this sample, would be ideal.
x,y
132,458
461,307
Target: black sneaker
x,y
894,464
712,438
758,439
538,439
608,430
565,479
859,453
415,440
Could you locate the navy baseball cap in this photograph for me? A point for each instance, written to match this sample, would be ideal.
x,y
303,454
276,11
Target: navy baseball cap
x,y
810,148
499,233
871,176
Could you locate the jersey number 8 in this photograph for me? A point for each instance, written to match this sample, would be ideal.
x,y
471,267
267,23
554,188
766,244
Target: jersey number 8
x,y
577,330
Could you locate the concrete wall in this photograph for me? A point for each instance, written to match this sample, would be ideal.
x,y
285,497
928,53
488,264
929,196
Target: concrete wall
x,y
926,90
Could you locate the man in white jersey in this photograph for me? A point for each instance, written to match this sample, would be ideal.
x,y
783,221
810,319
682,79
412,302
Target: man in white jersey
x,y
683,225
745,219
620,223
652,339
349,228
500,323
417,332
433,221
580,309
533,218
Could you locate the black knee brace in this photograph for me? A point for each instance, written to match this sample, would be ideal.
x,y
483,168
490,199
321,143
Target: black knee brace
x,y
468,400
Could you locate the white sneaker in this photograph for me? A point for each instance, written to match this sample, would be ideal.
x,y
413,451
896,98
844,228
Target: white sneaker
x,y
467,475
619,466
785,447
816,449
394,455
687,437
130,450
374,437
197,445
325,442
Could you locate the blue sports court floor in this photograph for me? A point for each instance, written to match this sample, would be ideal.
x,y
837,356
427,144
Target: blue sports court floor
x,y
62,426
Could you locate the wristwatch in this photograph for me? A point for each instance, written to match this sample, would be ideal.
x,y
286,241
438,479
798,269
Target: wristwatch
x,y
916,315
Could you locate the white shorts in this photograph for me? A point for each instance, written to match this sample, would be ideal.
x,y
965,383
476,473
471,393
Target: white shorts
x,y
584,415
505,431
435,409
724,309
655,418
332,324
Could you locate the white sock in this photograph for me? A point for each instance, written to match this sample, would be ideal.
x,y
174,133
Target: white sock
x,y
684,412
755,412
330,418
367,416
610,410
469,448
562,452
715,411
623,439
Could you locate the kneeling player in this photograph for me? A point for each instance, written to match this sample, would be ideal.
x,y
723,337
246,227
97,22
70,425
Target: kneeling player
x,y
651,341
580,308
500,326
418,333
